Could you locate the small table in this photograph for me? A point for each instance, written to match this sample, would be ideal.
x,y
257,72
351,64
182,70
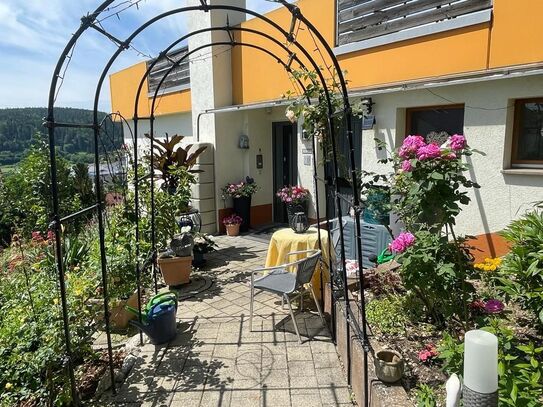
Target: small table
x,y
286,240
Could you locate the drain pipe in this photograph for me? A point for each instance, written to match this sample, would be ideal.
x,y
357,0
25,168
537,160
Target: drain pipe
x,y
198,124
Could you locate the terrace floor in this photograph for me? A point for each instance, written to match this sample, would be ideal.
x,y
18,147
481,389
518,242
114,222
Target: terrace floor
x,y
217,361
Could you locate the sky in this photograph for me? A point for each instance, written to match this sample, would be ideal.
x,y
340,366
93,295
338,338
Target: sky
x,y
33,34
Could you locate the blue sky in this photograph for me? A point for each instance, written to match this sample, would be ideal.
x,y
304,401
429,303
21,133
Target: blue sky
x,y
34,32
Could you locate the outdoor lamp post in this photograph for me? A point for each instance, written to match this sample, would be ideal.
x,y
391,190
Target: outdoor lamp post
x,y
480,369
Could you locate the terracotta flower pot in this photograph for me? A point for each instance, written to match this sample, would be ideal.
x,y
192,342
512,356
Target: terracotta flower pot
x,y
389,366
232,230
176,270
119,317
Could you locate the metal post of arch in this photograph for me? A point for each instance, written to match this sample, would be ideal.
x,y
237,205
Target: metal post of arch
x,y
88,22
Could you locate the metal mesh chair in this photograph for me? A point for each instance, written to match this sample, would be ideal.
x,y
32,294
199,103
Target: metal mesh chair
x,y
288,284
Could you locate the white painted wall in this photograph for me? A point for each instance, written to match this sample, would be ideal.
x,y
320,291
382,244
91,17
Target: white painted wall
x,y
502,197
211,85
178,123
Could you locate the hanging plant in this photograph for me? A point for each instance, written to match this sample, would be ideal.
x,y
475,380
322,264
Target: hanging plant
x,y
315,114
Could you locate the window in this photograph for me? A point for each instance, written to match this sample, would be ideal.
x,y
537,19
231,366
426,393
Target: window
x,y
527,146
435,123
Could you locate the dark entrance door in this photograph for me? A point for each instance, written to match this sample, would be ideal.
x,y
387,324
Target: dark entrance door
x,y
285,170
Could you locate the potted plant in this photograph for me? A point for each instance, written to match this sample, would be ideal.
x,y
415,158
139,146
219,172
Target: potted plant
x,y
203,243
176,263
389,365
241,194
295,198
169,157
232,224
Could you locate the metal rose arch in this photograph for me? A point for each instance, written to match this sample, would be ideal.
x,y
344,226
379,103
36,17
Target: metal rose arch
x,y
287,59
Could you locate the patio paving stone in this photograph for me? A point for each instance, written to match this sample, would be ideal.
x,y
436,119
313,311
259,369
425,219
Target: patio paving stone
x,y
216,360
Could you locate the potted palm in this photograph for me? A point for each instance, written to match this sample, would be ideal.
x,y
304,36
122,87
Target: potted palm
x,y
232,224
203,243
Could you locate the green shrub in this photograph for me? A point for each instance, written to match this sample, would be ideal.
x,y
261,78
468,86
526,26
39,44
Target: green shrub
x,y
436,270
426,396
32,348
388,314
520,276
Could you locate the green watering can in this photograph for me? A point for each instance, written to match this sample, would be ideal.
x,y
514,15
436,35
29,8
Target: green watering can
x,y
162,300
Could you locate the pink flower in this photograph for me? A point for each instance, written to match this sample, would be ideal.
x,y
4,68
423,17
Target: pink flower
x,y
410,146
37,237
428,152
50,235
494,306
457,142
406,166
428,353
450,156
402,242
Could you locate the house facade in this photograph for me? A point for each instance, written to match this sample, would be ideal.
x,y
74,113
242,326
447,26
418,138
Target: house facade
x,y
471,66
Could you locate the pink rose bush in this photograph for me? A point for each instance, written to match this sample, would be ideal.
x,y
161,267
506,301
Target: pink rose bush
x,y
293,194
415,147
402,242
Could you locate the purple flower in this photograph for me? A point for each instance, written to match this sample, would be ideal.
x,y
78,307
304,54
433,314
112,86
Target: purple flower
x,y
494,306
457,142
406,166
402,242
410,146
428,152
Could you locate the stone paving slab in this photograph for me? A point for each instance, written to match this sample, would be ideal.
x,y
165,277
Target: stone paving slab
x,y
216,360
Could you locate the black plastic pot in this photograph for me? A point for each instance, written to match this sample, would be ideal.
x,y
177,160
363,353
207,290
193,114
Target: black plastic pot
x,y
198,259
242,207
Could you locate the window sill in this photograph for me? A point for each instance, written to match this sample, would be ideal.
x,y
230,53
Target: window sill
x,y
523,171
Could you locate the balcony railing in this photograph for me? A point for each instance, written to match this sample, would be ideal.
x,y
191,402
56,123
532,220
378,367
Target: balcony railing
x,y
178,79
360,20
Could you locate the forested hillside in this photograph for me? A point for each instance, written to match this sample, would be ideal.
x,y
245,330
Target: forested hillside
x,y
17,127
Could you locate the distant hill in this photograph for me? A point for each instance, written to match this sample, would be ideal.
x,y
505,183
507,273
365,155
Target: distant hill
x,y
19,125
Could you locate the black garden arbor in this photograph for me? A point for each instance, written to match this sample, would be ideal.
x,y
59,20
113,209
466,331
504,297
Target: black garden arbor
x,y
293,56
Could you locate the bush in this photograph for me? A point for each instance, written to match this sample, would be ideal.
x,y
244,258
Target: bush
x,y
520,276
32,348
434,268
391,314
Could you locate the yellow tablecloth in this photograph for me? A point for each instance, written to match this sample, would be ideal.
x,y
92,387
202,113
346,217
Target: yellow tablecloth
x,y
285,241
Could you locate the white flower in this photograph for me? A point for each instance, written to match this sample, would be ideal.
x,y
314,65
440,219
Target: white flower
x,y
291,115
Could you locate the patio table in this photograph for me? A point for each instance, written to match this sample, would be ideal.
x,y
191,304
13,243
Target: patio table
x,y
286,240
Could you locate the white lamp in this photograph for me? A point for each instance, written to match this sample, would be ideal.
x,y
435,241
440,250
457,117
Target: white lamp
x,y
480,369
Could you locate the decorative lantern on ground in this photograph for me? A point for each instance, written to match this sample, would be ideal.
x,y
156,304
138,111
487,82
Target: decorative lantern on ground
x,y
299,222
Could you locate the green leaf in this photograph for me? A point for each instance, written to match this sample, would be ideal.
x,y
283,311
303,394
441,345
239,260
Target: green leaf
x,y
514,392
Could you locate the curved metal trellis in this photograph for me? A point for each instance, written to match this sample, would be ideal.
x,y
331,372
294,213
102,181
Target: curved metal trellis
x,y
92,21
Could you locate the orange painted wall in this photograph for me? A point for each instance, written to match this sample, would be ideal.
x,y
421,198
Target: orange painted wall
x,y
511,39
124,85
516,32
256,76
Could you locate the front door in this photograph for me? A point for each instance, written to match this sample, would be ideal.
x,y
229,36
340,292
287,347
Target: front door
x,y
285,170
